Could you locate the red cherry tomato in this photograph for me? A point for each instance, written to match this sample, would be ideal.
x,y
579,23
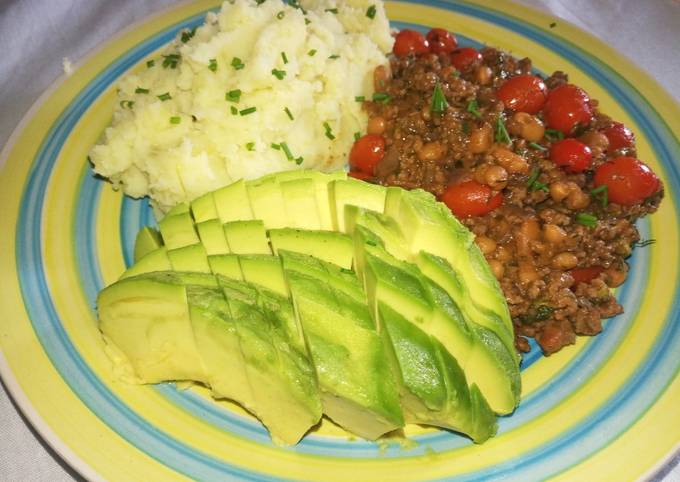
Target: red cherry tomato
x,y
628,180
572,155
410,42
463,57
619,136
362,176
523,93
470,198
366,153
585,275
566,106
441,41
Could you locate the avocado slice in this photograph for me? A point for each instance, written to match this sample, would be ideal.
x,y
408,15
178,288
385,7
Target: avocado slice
x,y
203,208
247,237
323,202
356,193
231,202
328,246
189,258
148,239
266,201
225,265
264,270
212,236
156,260
299,197
178,230
178,209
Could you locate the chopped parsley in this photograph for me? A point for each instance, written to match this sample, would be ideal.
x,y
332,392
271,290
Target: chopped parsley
x,y
247,111
439,104
188,35
601,193
501,132
288,113
279,74
334,11
127,104
171,61
553,135
165,96
370,12
534,184
466,127
237,63
538,147
212,65
175,119
233,95
329,131
140,90
150,64
250,146
382,97
473,108
586,219
312,53
284,57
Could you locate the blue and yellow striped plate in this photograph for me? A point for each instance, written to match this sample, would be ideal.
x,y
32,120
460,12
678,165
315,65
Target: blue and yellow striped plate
x,y
604,409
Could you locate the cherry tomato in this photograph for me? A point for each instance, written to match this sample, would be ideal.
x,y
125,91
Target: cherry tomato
x,y
463,57
523,93
566,106
362,176
470,198
628,180
619,136
572,155
366,153
585,275
410,41
441,41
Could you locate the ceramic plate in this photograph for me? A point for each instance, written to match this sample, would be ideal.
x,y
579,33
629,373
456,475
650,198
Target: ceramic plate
x,y
607,406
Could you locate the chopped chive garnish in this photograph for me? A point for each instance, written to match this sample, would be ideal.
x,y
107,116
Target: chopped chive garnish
x,y
275,146
286,151
553,135
329,131
533,183
601,193
552,25
370,12
473,108
247,111
307,21
150,64
193,118
288,113
501,132
237,64
234,110
334,11
455,73
260,2
299,160
538,147
127,104
439,104
279,74
188,34
586,219
212,65
233,95
334,56
360,98
175,119
171,61
139,90
382,97
644,243
466,127
250,146
357,136
296,4
281,14
165,96
312,53
284,57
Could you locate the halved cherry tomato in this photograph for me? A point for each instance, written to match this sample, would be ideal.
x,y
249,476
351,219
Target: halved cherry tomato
x,y
470,198
463,57
366,153
410,42
566,106
619,136
362,176
585,275
628,180
441,41
523,93
572,155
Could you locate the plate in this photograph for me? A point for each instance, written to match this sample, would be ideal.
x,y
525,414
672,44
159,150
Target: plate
x,y
605,406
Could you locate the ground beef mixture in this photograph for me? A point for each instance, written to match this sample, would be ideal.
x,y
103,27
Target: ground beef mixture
x,y
556,242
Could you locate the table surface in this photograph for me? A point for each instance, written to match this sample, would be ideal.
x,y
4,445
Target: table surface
x,y
37,35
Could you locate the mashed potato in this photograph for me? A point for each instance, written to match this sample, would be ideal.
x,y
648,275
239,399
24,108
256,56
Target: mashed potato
x,y
256,89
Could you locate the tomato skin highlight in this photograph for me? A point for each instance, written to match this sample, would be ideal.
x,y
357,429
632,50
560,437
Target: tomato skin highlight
x,y
585,275
523,93
463,57
619,136
629,181
566,106
470,198
366,153
409,41
572,155
441,41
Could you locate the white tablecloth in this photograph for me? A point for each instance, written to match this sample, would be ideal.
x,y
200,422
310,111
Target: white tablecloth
x,y
36,35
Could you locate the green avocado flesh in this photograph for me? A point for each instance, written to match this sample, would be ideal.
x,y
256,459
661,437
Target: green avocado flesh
x,y
302,294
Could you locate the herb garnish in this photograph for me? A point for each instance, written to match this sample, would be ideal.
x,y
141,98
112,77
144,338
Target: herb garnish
x,y
250,146
140,90
237,64
312,52
288,113
329,131
370,12
501,132
171,61
334,11
473,108
553,135
279,74
280,15
382,97
334,56
150,64
234,110
586,219
357,136
360,98
439,104
188,35
275,146
644,243
284,57
127,104
601,193
165,96
534,184
286,151
247,111
175,119
233,95
212,65
538,147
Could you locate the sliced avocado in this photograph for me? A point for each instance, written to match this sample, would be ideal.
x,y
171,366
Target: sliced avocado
x,y
264,270
322,185
148,239
247,237
178,209
189,258
203,208
231,202
299,197
328,246
382,226
154,261
267,202
355,375
147,318
225,265
178,230
356,193
212,236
